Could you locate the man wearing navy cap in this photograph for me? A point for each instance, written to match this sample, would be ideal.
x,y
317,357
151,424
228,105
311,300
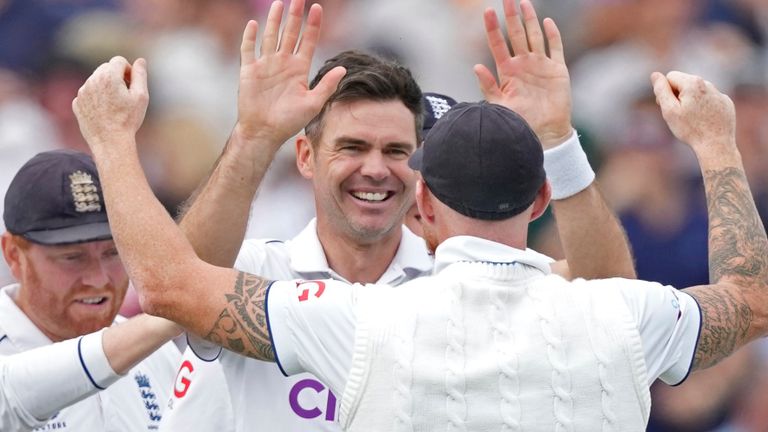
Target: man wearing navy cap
x,y
493,339
71,283
358,136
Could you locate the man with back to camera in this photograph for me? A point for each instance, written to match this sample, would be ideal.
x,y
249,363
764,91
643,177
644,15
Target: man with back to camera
x,y
545,353
351,240
71,282
358,141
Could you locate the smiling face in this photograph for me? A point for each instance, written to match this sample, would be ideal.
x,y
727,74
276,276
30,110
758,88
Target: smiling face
x,y
359,168
70,290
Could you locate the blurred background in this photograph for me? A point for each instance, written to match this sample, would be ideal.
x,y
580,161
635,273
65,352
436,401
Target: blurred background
x,y
49,47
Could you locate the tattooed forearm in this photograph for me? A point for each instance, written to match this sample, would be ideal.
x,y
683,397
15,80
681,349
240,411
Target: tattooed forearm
x,y
738,249
242,325
738,255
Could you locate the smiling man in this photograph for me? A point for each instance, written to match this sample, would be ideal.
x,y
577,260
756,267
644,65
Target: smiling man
x,y
71,282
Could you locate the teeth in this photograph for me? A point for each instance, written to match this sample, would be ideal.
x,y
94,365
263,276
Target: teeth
x,y
370,196
92,300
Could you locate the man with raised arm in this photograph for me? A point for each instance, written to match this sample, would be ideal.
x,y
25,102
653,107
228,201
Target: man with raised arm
x,y
70,285
360,130
493,338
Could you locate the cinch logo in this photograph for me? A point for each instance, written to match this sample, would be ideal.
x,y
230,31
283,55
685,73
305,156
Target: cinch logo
x,y
316,287
183,379
312,412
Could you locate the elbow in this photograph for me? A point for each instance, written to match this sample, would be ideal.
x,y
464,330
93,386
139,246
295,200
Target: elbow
x,y
156,294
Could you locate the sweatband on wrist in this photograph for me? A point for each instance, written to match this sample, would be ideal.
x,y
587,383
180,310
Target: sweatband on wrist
x,y
567,168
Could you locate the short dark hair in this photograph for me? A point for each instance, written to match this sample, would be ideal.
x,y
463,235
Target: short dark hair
x,y
368,78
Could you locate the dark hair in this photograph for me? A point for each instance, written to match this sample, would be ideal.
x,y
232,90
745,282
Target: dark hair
x,y
368,78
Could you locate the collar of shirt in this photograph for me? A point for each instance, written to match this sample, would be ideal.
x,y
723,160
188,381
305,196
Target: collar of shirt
x,y
411,260
474,249
20,330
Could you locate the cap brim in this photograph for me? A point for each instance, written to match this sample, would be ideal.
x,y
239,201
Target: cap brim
x,y
415,160
76,234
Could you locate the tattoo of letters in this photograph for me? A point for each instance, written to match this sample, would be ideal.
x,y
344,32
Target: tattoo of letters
x,y
242,326
738,254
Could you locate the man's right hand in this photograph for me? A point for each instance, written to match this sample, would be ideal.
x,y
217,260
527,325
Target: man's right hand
x,y
696,112
274,100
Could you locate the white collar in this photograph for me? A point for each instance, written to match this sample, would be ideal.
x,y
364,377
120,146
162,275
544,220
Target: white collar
x,y
475,249
308,257
16,325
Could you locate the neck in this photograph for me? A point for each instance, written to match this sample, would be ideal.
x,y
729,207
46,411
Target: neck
x,y
356,261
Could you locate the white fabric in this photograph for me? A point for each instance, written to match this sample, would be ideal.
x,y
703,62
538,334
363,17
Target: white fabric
x,y
54,378
568,169
36,384
488,343
241,394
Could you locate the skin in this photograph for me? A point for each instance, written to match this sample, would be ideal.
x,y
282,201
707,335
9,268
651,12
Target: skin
x,y
56,279
233,311
733,307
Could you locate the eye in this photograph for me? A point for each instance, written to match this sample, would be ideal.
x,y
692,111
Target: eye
x,y
349,148
398,152
111,253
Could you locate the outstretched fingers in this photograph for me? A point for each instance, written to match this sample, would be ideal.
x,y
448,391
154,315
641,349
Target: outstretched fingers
x,y
496,42
327,85
556,51
272,28
292,27
248,45
515,30
311,33
487,83
532,27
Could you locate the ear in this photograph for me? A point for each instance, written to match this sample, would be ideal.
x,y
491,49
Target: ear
x,y
424,202
304,156
541,202
12,254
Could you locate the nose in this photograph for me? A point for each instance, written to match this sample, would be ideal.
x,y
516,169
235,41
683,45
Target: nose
x,y
96,275
375,166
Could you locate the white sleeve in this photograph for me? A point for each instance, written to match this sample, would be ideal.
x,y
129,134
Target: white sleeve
x,y
38,383
312,326
669,321
200,399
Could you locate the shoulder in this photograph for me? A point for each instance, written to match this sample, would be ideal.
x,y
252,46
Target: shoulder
x,y
260,255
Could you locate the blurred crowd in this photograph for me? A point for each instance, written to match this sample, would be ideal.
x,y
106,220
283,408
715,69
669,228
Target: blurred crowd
x,y
49,47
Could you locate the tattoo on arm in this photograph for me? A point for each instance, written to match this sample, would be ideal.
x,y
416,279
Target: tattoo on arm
x,y
242,325
738,254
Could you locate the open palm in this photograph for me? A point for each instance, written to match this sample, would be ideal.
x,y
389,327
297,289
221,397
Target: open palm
x,y
531,83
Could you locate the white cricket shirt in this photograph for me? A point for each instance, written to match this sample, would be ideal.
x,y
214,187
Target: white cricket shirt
x,y
235,393
134,403
302,315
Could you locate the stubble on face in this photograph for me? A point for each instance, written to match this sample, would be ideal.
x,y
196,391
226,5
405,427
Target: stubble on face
x,y
51,310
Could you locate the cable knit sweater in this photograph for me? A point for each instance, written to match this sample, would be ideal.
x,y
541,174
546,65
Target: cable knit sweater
x,y
502,347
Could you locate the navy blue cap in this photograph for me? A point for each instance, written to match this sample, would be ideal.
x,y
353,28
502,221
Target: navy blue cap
x,y
56,199
482,160
435,106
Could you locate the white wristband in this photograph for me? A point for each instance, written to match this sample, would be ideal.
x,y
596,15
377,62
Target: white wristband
x,y
567,168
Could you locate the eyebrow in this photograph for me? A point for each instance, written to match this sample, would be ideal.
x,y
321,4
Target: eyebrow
x,y
344,139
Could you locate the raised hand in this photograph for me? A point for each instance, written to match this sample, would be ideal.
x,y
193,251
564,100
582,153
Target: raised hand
x,y
274,100
112,103
531,83
696,112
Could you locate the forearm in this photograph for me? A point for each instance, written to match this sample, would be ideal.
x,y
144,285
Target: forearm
x,y
593,240
128,343
215,218
737,312
38,383
592,237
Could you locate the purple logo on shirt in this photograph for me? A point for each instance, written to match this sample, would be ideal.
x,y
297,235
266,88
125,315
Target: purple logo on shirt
x,y
312,412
